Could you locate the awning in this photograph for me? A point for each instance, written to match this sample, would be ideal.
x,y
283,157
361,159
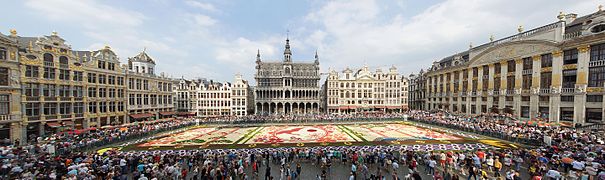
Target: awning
x,y
186,113
142,115
53,124
68,123
166,113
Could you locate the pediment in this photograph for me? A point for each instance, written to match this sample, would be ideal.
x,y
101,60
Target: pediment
x,y
513,50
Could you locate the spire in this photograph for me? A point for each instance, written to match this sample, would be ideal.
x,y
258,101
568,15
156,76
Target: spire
x,y
258,56
287,52
316,58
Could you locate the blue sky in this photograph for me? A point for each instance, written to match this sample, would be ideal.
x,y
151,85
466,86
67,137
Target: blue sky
x,y
216,39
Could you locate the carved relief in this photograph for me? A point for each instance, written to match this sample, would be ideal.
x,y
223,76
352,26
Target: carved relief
x,y
512,51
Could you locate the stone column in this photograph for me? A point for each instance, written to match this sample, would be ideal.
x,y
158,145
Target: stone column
x,y
518,87
469,89
503,84
438,90
490,87
451,91
535,87
16,132
460,80
479,102
557,78
581,85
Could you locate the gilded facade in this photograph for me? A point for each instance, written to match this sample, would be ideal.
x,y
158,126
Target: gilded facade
x,y
10,89
286,87
554,72
105,88
365,91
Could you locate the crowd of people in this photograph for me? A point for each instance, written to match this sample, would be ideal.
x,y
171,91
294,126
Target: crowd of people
x,y
569,154
303,118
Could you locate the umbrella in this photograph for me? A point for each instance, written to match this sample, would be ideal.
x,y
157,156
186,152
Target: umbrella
x,y
73,172
101,151
567,160
543,159
591,154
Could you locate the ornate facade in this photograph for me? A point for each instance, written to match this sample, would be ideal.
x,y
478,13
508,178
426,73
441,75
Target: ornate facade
x,y
363,91
416,90
555,72
105,88
149,95
287,87
10,88
211,99
60,89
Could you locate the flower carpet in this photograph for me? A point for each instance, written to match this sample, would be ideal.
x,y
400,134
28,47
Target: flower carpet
x,y
402,134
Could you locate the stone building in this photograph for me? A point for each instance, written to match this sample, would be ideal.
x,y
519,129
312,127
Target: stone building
x,y
53,85
416,90
105,88
10,88
286,87
149,95
555,72
211,99
365,91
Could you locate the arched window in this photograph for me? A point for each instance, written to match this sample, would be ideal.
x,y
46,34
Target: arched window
x,y
63,60
48,59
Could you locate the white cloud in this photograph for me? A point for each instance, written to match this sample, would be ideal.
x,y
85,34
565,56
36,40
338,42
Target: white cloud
x,y
354,32
201,5
203,20
104,24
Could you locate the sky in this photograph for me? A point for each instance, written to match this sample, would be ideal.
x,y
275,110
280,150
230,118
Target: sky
x,y
216,39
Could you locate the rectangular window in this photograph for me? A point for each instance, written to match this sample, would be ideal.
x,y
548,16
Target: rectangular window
x,y
77,91
527,81
594,98
92,78
567,98
77,76
49,73
65,108
597,52
511,66
546,60
545,80
31,71
92,107
497,68
4,104
4,76
92,92
510,83
49,90
50,108
2,53
32,90
32,109
78,107
570,56
527,63
596,76
63,91
64,74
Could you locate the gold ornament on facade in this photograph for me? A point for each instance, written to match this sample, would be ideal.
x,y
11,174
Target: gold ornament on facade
x,y
546,69
561,16
583,49
13,32
570,66
594,89
520,28
537,58
557,53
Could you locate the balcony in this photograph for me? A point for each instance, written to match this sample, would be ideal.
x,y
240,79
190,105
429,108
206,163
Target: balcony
x,y
29,98
49,64
526,72
47,117
510,91
542,103
78,98
5,117
65,116
596,63
544,90
33,118
65,98
496,92
567,90
63,66
80,115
